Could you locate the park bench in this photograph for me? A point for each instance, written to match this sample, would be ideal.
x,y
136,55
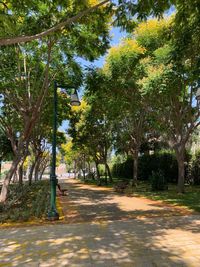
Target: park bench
x,y
121,186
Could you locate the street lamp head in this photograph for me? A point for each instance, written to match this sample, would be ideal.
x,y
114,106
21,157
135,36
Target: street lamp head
x,y
74,99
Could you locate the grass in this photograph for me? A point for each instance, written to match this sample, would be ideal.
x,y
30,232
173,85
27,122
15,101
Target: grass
x,y
25,203
190,199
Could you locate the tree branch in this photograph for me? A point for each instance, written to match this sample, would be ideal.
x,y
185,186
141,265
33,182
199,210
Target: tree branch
x,y
24,39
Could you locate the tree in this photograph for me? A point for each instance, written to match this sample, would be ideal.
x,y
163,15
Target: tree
x,y
170,85
117,84
49,59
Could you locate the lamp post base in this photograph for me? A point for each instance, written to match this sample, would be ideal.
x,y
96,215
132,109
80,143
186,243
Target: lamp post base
x,y
52,215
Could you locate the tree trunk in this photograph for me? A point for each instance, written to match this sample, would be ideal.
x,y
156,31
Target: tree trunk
x,y
98,174
20,174
30,176
181,170
42,171
0,166
135,169
109,173
89,168
75,169
4,190
37,166
106,179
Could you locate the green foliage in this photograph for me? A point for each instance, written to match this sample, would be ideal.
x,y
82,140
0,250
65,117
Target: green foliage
x,y
164,161
5,146
123,170
158,181
26,202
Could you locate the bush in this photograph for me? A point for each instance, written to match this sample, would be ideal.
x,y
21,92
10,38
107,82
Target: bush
x,y
164,161
123,170
158,181
25,202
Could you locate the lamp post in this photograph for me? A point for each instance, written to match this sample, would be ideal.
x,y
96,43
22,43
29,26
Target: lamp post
x,y
74,101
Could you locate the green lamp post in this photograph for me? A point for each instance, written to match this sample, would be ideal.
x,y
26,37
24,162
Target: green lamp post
x,y
74,101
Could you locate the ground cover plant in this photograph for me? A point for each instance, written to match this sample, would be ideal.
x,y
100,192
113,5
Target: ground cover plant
x,y
25,202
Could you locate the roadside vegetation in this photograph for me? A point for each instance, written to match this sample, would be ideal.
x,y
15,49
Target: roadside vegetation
x,y
26,203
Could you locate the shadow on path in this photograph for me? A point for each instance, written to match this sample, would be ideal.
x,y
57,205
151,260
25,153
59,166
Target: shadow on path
x,y
85,203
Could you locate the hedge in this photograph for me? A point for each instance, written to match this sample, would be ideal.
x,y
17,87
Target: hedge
x,y
165,162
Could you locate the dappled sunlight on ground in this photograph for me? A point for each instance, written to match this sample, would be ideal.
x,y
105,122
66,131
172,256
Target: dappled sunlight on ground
x,y
139,242
109,230
86,203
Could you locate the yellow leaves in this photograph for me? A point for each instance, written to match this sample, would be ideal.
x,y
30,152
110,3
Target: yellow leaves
x,y
20,19
67,147
151,27
92,2
128,45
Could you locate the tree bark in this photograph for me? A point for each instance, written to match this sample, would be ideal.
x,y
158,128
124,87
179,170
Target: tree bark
x,y
74,169
135,169
37,166
98,174
42,171
109,173
181,170
4,190
0,165
20,174
30,176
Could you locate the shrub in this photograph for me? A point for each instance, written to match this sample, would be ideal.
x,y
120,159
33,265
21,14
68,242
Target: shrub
x,y
165,161
25,202
123,170
158,181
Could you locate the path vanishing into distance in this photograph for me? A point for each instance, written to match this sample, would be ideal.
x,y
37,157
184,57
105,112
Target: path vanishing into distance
x,y
102,228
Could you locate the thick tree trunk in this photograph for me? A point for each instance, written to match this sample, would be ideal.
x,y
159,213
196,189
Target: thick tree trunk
x,y
30,176
180,156
20,174
89,168
37,166
4,190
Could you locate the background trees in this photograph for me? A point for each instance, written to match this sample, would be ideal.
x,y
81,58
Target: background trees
x,y
148,88
27,71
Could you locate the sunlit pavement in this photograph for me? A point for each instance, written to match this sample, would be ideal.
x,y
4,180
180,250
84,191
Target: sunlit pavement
x,y
142,241
173,241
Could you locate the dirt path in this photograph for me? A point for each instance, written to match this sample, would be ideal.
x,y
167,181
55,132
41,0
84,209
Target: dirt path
x,y
87,203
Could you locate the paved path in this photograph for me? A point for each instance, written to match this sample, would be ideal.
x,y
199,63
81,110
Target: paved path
x,y
139,241
86,203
